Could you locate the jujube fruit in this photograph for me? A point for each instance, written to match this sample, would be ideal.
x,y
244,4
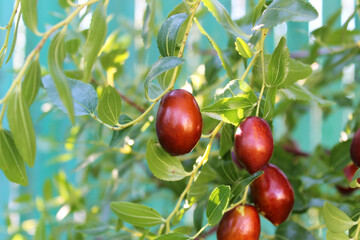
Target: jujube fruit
x,y
355,148
178,122
253,143
349,172
273,194
240,223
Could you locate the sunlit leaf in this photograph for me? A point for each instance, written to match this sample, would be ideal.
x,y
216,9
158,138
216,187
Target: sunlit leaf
x,y
243,49
239,186
280,11
29,13
137,214
335,219
31,84
336,236
21,127
56,58
269,103
230,110
95,39
11,161
166,39
162,165
40,232
109,108
278,67
217,204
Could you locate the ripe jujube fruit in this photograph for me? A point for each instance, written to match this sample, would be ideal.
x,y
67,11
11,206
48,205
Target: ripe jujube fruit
x,y
273,194
349,172
240,223
178,122
253,143
355,148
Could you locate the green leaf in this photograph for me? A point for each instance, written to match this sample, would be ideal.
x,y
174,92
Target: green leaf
x,y
243,49
95,39
226,139
336,236
72,45
40,232
31,84
280,11
230,110
149,18
173,236
223,17
297,92
239,186
278,67
11,161
297,71
14,39
93,229
257,11
224,60
84,95
236,88
293,231
228,171
217,204
269,103
162,165
47,190
137,214
56,58
117,135
109,108
29,13
166,39
335,219
162,65
21,127
340,155
354,181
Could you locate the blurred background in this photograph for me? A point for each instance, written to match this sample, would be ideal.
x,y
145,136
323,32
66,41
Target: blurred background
x,y
59,155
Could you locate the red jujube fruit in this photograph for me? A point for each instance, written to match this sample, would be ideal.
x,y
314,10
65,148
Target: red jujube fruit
x,y
178,122
355,149
253,143
273,194
349,172
240,223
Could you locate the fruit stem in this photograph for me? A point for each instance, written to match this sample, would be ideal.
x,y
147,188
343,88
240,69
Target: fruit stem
x,y
200,231
197,166
251,64
357,230
263,35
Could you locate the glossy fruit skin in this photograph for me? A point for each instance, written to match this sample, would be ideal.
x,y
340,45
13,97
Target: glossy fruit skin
x,y
236,160
273,194
349,172
355,148
178,122
253,143
241,223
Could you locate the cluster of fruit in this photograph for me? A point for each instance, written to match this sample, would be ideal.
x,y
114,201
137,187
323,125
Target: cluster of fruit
x,y
179,126
271,193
